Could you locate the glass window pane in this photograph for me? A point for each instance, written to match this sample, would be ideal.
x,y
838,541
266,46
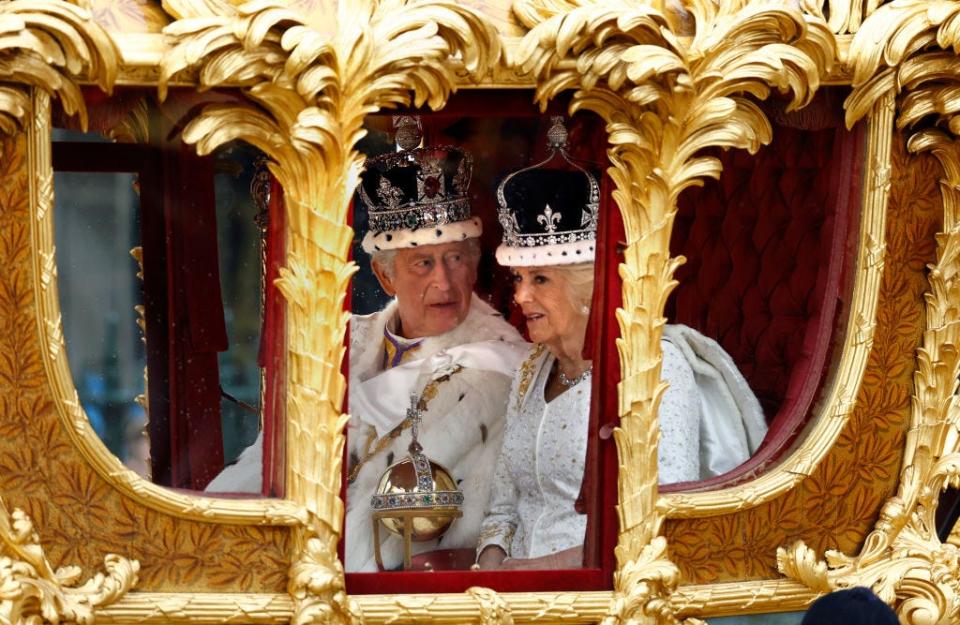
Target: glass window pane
x,y
96,228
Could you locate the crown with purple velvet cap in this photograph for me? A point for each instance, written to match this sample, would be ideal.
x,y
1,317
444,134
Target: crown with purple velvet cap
x,y
417,196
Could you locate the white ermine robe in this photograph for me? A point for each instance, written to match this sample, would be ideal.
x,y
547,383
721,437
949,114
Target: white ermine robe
x,y
461,429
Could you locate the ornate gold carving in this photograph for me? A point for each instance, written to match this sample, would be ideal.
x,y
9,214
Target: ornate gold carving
x,y
50,45
765,596
575,608
840,400
836,506
127,16
664,98
905,46
54,467
314,581
843,16
239,511
154,608
310,92
457,609
902,559
33,592
494,610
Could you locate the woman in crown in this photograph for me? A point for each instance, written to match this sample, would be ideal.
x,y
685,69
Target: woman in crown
x,y
710,421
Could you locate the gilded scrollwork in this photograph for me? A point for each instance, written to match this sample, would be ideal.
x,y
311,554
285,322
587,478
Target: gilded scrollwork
x,y
50,45
669,80
907,49
33,592
902,559
308,93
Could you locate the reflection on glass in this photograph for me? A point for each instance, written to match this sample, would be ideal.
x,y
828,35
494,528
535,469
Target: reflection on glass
x,y
239,246
199,231
96,227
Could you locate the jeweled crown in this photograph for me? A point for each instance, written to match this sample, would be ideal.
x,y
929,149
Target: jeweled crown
x,y
549,210
418,196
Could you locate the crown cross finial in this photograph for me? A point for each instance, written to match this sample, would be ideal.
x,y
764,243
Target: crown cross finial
x,y
408,131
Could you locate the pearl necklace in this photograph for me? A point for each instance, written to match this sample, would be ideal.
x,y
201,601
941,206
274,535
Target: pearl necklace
x,y
567,382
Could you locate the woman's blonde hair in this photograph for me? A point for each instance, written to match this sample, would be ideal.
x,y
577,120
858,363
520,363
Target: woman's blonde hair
x,y
579,279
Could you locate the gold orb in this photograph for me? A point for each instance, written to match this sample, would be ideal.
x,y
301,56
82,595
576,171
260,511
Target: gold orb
x,y
421,485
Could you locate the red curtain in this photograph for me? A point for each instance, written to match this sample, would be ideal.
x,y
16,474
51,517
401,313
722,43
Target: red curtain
x,y
180,259
767,250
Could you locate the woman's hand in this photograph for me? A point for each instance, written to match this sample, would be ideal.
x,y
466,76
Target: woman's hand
x,y
567,559
491,558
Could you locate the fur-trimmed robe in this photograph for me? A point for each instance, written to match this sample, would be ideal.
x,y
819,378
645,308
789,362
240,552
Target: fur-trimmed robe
x,y
461,429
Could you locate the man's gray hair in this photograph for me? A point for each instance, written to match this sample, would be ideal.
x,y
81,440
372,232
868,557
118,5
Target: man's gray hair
x,y
385,259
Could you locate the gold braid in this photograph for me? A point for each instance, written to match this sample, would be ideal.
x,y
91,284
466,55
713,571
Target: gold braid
x,y
526,373
429,393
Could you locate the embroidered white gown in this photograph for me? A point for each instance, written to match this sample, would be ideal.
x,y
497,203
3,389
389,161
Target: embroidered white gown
x,y
540,468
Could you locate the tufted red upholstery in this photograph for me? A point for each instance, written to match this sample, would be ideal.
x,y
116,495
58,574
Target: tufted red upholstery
x,y
765,249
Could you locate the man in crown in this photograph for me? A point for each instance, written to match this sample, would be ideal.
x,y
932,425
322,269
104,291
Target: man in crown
x,y
435,344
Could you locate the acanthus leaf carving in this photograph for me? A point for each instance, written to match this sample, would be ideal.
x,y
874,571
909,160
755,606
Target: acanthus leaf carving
x,y
308,94
50,45
32,593
669,80
493,609
904,50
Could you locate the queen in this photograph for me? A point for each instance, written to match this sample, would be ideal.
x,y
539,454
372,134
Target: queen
x,y
710,421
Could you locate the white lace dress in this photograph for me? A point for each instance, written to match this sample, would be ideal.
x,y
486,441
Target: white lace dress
x,y
540,468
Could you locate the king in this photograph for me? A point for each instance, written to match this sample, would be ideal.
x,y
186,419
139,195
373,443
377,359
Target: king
x,y
435,340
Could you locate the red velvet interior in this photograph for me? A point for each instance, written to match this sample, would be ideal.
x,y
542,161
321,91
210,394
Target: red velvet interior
x,y
766,254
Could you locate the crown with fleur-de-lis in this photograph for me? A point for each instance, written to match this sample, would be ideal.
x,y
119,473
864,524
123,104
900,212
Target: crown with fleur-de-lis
x,y
549,210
